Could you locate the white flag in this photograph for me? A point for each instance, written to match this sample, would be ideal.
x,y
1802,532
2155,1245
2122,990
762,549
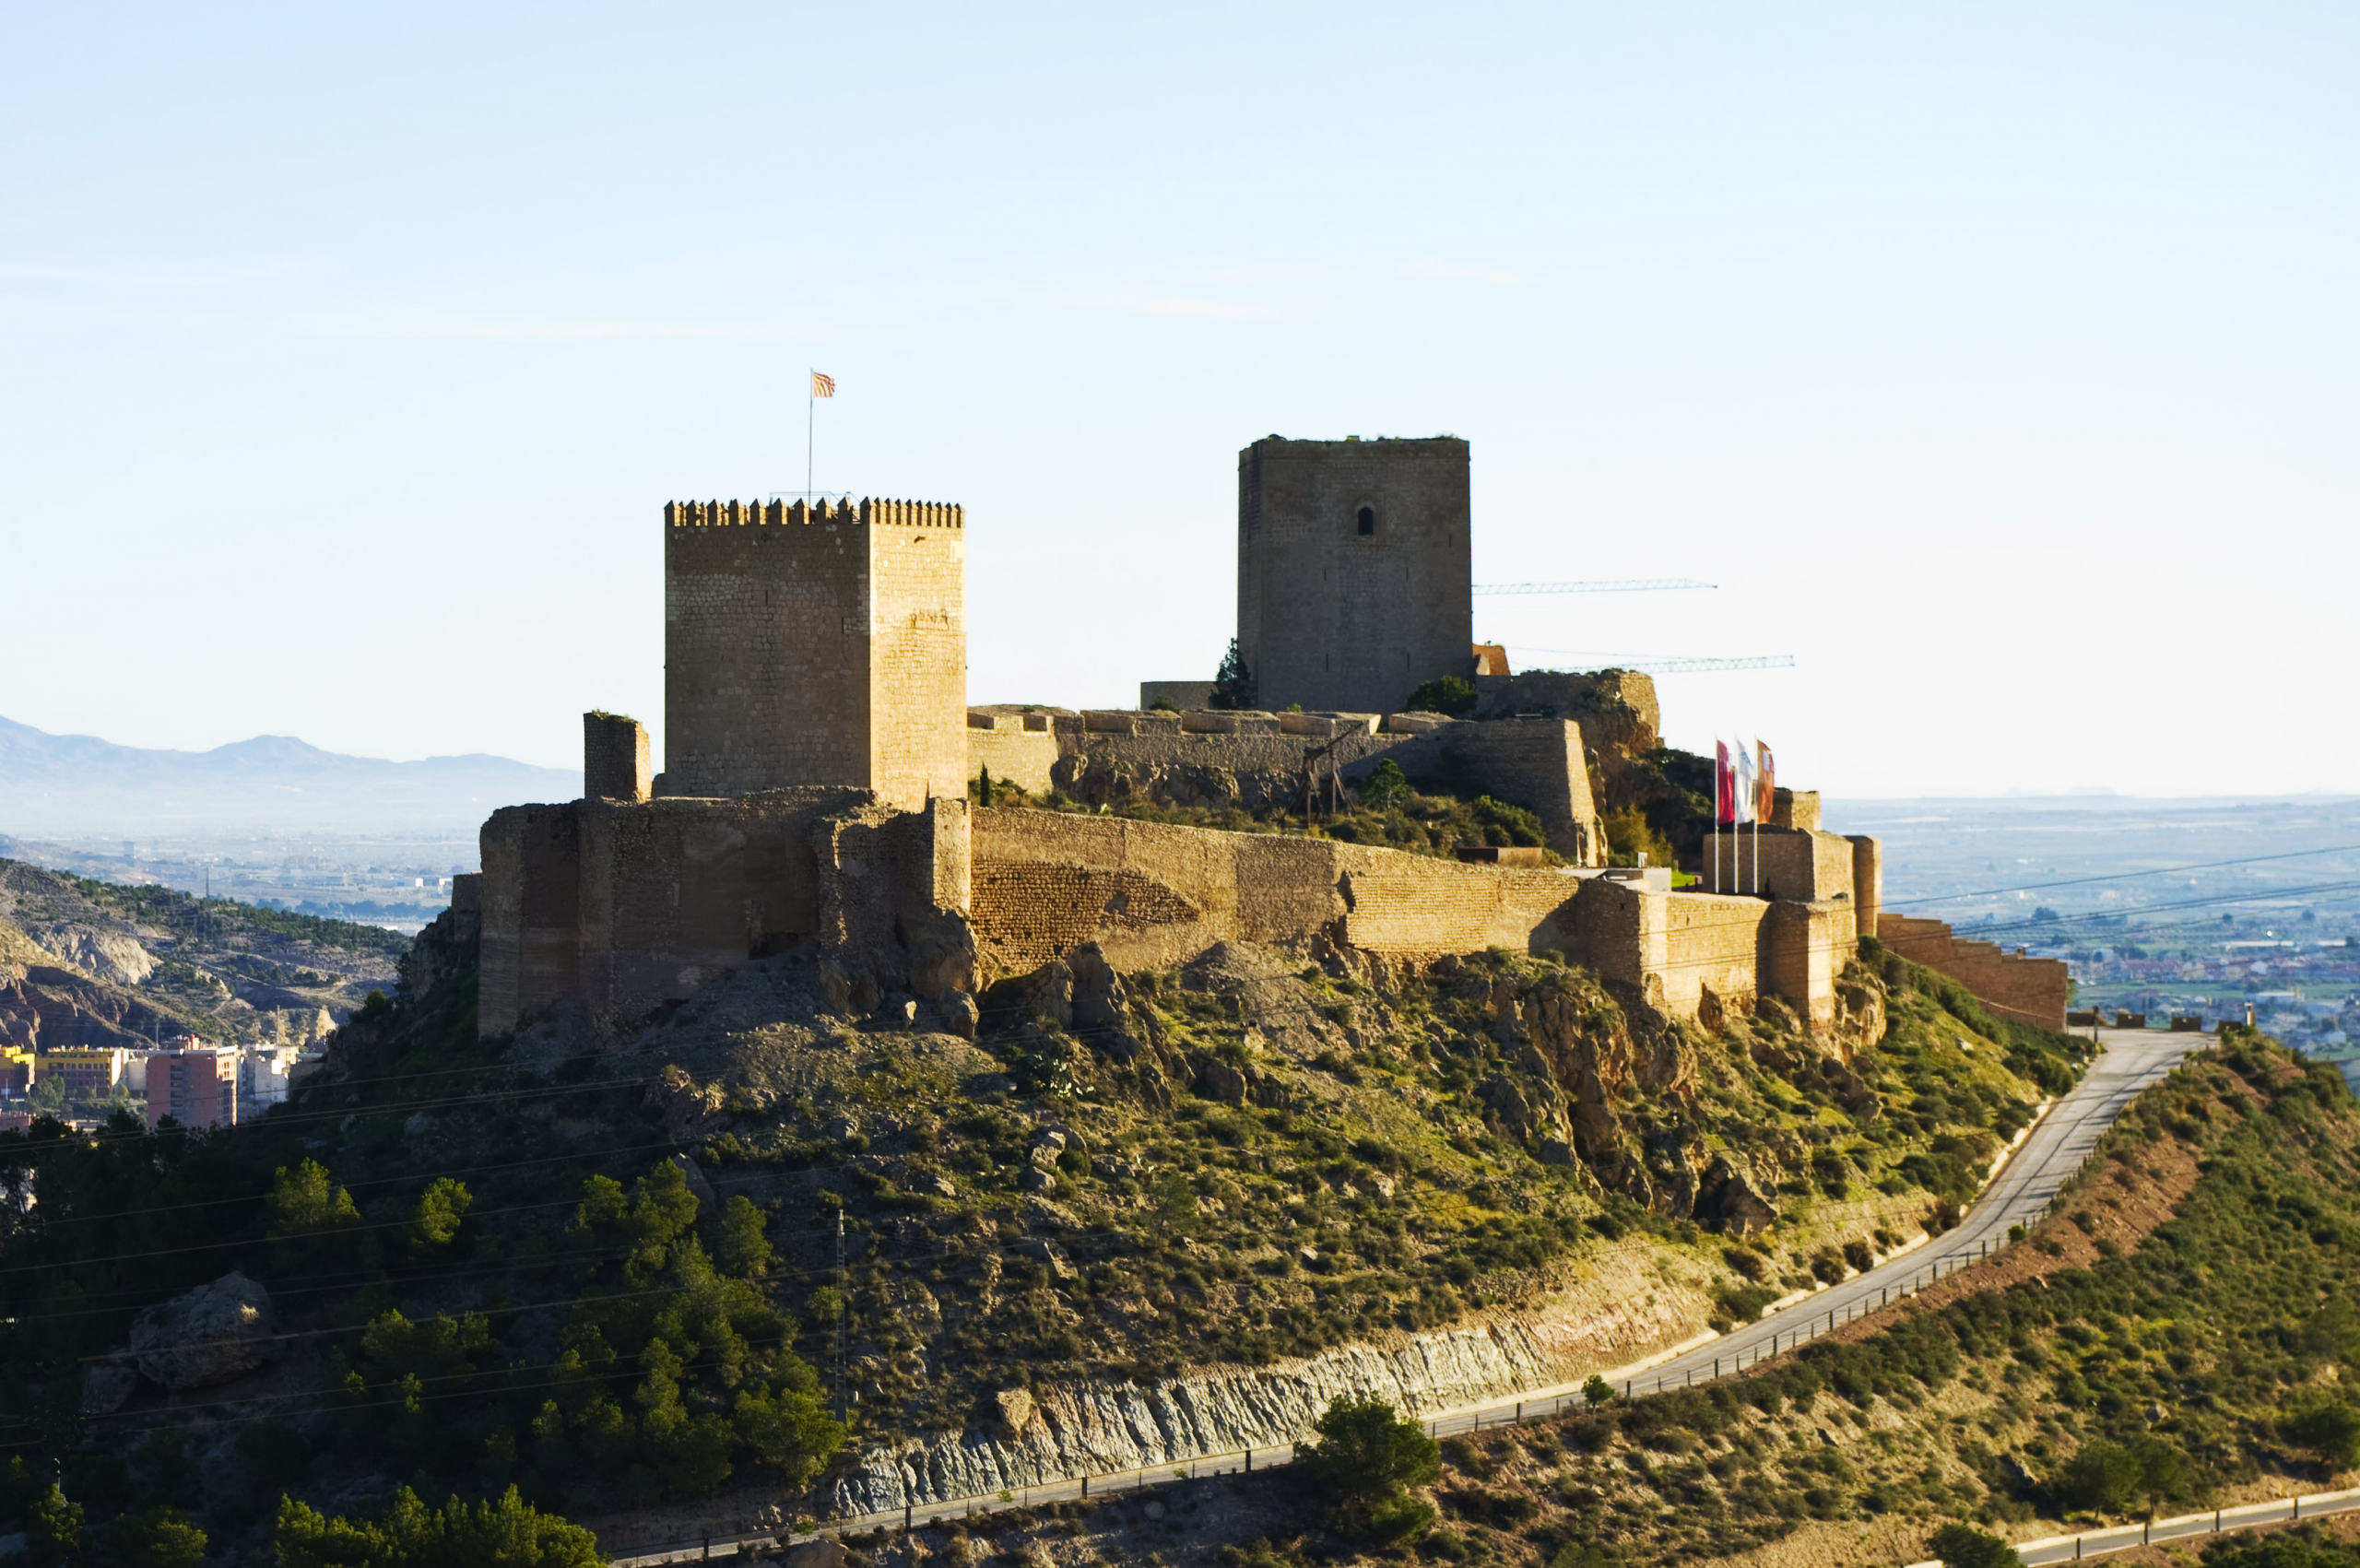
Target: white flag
x,y
1744,760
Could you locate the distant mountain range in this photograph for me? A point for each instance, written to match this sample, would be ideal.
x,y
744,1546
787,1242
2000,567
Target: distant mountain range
x,y
79,784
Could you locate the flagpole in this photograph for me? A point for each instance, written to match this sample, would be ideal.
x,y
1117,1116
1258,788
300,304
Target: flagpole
x,y
810,424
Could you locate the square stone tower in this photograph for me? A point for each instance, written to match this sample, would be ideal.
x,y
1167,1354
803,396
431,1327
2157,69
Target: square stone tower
x,y
1352,570
816,646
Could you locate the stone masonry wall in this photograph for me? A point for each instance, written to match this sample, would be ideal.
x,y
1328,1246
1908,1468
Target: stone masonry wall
x,y
614,758
1534,763
1335,618
1154,896
1791,864
2029,990
623,906
815,646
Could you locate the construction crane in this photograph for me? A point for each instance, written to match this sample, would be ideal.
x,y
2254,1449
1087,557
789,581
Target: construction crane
x,y
1664,664
1626,585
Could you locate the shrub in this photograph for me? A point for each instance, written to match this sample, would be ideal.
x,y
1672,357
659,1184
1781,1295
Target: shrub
x,y
1964,1546
1368,1458
1452,694
2103,1478
2328,1429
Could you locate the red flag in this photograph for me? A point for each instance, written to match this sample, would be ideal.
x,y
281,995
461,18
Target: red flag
x,y
1766,782
1724,784
822,386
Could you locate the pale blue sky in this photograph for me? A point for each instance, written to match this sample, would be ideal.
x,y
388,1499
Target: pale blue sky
x,y
1998,361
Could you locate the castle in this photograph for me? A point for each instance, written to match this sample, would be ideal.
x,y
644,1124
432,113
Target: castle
x,y
819,750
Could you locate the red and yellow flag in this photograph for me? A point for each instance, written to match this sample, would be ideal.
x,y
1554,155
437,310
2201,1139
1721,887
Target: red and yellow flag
x,y
822,386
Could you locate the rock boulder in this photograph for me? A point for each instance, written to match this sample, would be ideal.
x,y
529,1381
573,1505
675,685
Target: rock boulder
x,y
215,1334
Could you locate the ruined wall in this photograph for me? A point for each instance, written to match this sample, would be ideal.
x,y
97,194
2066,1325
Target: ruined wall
x,y
614,758
1256,760
1001,743
1154,896
815,646
624,906
1868,882
1353,575
2029,990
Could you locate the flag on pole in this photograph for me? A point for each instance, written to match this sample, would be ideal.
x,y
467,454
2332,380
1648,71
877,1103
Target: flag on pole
x,y
1745,800
822,386
1765,785
1723,786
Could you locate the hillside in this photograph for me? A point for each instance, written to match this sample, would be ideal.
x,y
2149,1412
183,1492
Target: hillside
x,y
85,962
2181,1335
603,1268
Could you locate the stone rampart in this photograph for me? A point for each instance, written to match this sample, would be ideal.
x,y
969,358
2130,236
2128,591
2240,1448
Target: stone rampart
x,y
1154,896
624,906
1000,743
2012,984
1259,761
1778,863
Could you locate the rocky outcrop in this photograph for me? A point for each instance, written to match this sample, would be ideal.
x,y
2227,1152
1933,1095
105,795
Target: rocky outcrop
x,y
110,955
215,1334
1103,1427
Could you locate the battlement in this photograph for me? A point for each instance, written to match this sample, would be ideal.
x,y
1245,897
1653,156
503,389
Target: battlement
x,y
868,512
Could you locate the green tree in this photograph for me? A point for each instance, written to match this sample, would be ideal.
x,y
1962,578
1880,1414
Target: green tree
x,y
505,1533
1232,683
2334,1330
744,1250
2163,1471
2328,1429
1368,1458
304,1202
53,1531
1964,1546
983,786
2103,1478
1452,694
787,1426
441,1208
155,1537
1387,787
1598,1391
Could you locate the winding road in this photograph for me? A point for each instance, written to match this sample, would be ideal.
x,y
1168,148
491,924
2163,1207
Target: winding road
x,y
2022,1192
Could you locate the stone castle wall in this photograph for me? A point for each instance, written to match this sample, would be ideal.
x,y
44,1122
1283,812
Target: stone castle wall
x,y
815,646
2028,990
1154,896
1254,760
624,906
1778,863
1329,616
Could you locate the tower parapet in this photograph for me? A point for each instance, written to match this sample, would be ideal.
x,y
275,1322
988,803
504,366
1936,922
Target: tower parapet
x,y
819,643
868,511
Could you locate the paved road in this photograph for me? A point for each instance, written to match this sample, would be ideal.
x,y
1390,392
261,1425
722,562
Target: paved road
x,y
2133,1059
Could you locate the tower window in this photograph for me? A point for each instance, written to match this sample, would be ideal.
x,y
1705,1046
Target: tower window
x,y
1368,519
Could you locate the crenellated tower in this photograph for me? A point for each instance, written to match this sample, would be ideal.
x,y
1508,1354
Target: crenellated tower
x,y
815,645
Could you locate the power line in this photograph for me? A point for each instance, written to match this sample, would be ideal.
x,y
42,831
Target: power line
x,y
1623,586
2127,875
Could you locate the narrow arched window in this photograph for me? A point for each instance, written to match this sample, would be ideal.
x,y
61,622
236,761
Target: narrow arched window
x,y
1368,519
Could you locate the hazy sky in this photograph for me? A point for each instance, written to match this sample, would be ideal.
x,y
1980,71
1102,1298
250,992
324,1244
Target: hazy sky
x,y
1997,360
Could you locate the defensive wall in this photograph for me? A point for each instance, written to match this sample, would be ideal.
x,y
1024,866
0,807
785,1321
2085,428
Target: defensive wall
x,y
1256,760
815,645
2011,985
1353,569
1154,895
625,905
